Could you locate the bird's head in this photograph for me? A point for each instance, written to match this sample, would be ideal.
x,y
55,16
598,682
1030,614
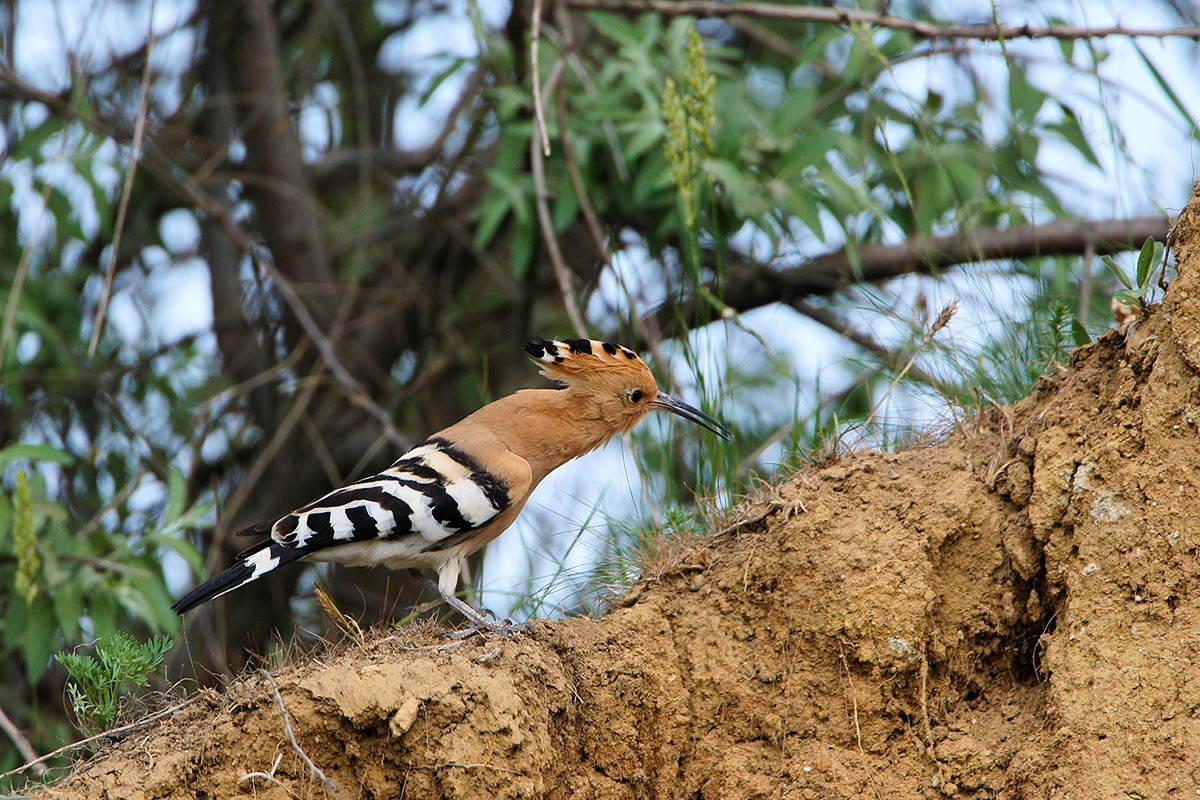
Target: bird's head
x,y
612,383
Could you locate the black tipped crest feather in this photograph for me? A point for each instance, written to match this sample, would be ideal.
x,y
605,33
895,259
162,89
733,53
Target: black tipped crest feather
x,y
558,351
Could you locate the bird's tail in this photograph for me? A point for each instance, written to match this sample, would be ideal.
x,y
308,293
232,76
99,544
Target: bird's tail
x,y
265,557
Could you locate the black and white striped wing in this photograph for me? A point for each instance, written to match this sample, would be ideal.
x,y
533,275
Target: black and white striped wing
x,y
435,496
434,490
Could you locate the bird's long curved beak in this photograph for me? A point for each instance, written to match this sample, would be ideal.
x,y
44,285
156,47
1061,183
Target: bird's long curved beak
x,y
690,413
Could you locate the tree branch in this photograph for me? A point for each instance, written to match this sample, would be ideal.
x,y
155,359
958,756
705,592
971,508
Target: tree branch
x,y
752,285
22,744
334,167
843,16
894,360
562,273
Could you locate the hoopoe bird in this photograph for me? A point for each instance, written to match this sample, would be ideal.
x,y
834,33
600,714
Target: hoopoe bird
x,y
465,485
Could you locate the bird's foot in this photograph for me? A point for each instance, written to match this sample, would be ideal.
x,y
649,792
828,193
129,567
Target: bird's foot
x,y
505,628
479,623
478,619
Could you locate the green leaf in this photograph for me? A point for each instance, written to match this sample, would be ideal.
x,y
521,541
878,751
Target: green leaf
x,y
1072,133
1024,99
30,145
158,601
1145,262
804,205
1116,270
34,452
1185,115
38,637
566,206
1080,334
491,213
454,66
102,611
522,248
617,29
176,494
748,201
180,545
1132,297
68,608
66,220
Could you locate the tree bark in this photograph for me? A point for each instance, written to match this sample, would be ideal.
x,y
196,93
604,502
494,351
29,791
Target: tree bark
x,y
752,285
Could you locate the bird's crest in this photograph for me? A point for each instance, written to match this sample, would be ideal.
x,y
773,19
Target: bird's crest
x,y
568,359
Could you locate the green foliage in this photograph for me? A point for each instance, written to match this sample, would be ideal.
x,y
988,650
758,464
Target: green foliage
x,y
1135,291
100,685
66,575
93,489
29,564
690,119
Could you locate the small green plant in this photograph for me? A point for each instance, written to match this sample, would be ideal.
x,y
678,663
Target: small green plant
x,y
24,532
690,118
99,684
1134,294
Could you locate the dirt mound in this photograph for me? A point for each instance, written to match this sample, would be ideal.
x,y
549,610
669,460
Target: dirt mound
x,y
1011,613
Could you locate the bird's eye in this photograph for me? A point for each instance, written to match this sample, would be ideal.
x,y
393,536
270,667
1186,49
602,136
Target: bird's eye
x,y
635,396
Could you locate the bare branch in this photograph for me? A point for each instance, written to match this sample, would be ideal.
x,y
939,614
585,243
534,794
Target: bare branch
x,y
590,217
112,733
539,111
863,340
843,16
333,167
561,272
22,744
753,285
135,152
316,772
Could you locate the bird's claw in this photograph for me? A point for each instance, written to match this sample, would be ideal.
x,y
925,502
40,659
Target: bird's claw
x,y
506,628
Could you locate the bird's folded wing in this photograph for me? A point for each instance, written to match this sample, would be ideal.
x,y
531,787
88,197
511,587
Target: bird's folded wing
x,y
436,491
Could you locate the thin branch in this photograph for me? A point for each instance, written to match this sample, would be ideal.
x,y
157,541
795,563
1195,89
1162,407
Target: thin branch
x,y
18,286
539,111
863,340
753,285
269,777
354,390
188,187
22,744
590,217
135,154
108,734
943,319
332,167
561,272
328,783
117,501
986,31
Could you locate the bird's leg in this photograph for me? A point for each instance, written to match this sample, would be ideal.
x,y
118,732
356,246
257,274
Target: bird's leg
x,y
478,621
